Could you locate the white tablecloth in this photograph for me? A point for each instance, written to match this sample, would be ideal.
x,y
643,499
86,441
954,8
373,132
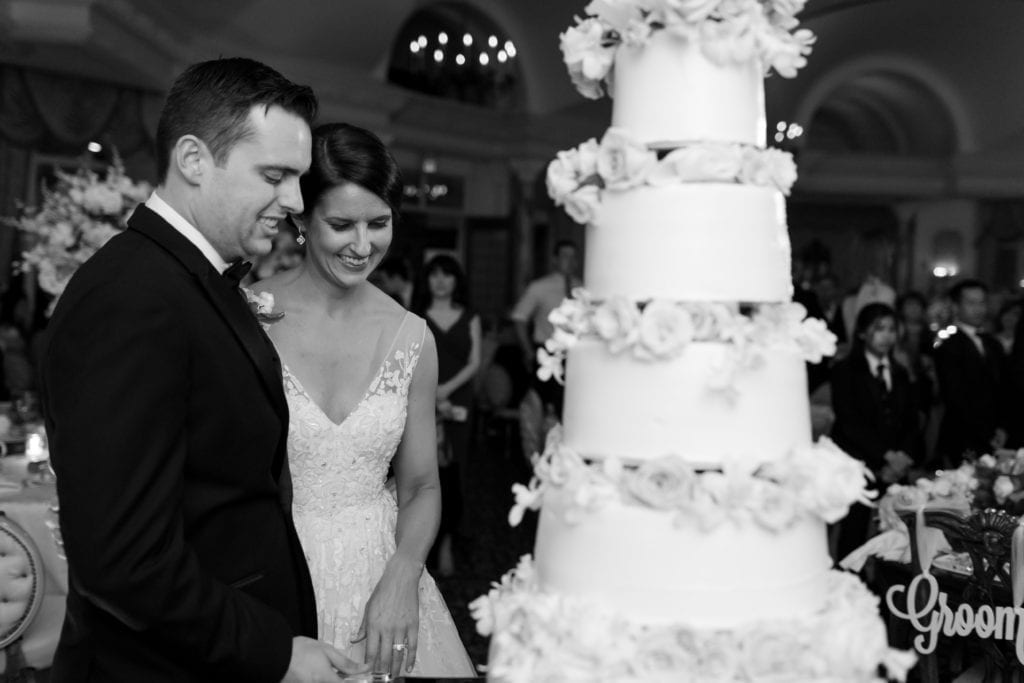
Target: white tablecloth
x,y
32,507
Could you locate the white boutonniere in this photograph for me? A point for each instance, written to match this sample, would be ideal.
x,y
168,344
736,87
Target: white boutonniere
x,y
262,305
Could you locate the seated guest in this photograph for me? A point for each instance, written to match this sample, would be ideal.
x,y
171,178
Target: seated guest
x,y
970,364
875,408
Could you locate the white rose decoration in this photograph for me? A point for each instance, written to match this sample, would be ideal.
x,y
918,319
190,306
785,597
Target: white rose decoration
x,y
563,176
587,87
788,7
1002,487
586,55
581,205
718,162
617,322
815,340
623,162
769,652
665,330
694,11
664,483
616,14
773,506
658,655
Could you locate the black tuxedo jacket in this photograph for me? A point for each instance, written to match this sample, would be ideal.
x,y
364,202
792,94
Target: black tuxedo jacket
x,y
861,428
972,393
167,424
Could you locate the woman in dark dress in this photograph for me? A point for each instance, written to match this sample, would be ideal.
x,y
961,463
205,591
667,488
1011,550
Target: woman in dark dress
x,y
441,298
876,412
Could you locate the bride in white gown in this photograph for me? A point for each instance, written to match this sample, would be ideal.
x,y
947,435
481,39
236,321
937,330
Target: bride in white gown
x,y
360,375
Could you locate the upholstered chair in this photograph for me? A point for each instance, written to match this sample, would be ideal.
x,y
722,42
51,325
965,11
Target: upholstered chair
x,y
29,619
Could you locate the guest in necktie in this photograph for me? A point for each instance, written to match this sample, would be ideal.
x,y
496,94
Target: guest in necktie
x,y
876,412
970,364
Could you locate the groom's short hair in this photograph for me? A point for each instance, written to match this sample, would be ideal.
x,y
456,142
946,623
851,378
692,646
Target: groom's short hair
x,y
212,101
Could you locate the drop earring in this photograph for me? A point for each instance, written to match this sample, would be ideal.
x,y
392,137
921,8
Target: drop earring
x,y
300,240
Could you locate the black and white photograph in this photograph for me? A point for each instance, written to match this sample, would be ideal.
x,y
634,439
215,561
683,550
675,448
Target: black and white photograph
x,y
509,341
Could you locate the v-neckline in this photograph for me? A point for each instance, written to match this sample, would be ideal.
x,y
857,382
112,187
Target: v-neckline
x,y
446,330
374,381
359,403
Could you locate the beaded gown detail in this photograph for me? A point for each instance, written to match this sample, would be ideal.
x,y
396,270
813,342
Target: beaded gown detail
x,y
345,514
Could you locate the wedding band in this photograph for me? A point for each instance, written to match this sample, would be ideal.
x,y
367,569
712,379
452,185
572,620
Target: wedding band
x,y
398,647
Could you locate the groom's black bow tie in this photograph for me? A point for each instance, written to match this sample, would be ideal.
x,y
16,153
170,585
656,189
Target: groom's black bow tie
x,y
236,271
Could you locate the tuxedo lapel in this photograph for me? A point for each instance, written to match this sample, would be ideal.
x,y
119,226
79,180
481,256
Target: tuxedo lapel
x,y
225,297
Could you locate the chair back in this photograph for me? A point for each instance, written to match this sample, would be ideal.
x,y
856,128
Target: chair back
x,y
22,581
987,537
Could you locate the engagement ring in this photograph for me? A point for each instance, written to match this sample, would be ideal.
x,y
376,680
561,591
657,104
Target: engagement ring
x,y
398,647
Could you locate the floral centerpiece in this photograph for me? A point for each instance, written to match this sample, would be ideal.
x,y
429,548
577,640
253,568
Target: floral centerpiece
x,y
947,490
727,30
1000,481
79,213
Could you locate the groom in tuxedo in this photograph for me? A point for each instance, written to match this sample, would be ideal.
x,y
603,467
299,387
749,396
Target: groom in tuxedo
x,y
166,415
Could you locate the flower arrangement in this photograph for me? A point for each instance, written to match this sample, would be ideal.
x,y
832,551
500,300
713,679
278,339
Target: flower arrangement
x,y
577,178
661,330
262,306
953,489
999,478
78,215
543,636
728,31
821,480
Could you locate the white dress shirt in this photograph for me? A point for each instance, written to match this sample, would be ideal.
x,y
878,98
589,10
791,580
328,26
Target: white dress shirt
x,y
873,363
189,231
972,333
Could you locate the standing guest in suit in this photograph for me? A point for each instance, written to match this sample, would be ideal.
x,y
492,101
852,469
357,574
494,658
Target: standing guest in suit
x,y
1015,388
876,412
167,417
969,363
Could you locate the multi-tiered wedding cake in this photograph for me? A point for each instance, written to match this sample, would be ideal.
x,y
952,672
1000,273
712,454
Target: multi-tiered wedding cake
x,y
683,504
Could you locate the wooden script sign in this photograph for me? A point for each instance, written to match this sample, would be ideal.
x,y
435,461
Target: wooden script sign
x,y
930,615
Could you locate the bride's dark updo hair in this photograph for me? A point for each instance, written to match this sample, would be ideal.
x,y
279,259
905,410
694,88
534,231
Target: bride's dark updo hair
x,y
343,153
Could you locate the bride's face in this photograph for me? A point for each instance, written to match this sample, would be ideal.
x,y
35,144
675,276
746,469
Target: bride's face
x,y
349,233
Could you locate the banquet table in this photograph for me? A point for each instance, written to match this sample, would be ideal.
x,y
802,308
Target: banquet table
x,y
33,507
30,502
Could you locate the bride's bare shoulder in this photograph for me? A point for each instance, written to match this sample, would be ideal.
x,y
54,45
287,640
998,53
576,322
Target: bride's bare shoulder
x,y
276,283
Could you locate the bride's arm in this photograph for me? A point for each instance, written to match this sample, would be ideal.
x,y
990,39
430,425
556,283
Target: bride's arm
x,y
392,612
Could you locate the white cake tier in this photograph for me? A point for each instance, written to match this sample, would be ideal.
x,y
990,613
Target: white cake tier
x,y
667,93
618,406
538,635
696,242
657,568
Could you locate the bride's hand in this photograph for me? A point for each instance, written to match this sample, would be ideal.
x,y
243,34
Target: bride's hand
x,y
391,618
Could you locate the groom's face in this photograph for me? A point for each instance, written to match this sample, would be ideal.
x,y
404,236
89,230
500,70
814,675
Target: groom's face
x,y
257,185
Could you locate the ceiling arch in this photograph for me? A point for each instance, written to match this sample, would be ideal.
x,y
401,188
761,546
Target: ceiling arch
x,y
885,103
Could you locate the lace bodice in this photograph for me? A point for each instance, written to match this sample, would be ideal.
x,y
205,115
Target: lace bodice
x,y
340,465
345,516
